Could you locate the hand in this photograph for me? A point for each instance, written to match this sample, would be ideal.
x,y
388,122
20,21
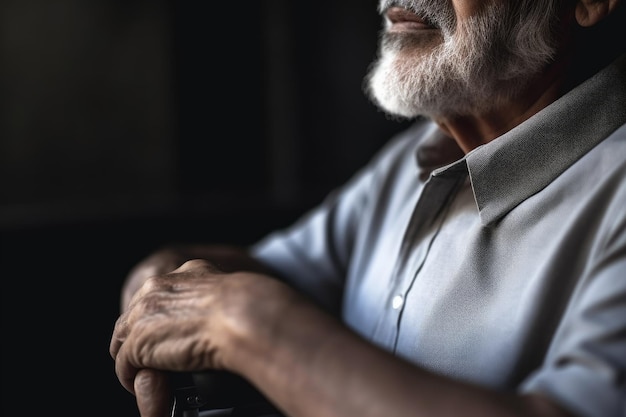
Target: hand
x,y
191,319
228,258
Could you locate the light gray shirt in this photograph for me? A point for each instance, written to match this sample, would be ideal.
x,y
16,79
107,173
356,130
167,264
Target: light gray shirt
x,y
505,267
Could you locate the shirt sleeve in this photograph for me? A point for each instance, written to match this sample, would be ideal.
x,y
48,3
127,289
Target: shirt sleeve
x,y
585,369
313,253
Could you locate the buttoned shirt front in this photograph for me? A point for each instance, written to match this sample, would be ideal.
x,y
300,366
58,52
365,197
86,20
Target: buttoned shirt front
x,y
505,267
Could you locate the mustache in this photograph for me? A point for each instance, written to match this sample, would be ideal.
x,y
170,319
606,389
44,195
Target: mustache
x,y
439,13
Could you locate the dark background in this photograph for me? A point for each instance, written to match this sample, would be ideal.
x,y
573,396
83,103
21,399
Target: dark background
x,y
127,124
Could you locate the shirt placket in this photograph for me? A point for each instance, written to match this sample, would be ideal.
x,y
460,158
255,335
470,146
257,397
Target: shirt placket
x,y
422,229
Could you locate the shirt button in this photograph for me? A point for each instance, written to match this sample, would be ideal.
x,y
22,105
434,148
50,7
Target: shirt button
x,y
397,302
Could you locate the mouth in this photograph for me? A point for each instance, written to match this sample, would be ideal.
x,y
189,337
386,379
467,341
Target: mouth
x,y
403,20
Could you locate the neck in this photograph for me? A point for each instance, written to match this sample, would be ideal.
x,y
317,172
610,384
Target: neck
x,y
473,130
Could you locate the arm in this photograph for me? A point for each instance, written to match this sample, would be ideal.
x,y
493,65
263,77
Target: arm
x,y
300,357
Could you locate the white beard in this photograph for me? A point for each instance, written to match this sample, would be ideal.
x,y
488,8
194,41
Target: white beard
x,y
471,68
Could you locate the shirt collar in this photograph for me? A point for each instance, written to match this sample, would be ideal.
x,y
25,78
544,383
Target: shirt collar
x,y
520,163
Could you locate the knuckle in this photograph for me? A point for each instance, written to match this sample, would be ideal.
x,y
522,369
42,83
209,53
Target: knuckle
x,y
195,263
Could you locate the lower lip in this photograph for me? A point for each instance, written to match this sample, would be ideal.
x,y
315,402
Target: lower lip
x,y
409,26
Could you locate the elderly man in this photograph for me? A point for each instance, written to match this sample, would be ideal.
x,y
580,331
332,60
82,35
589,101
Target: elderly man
x,y
477,265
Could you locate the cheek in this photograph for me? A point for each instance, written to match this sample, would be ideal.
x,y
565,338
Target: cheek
x,y
465,9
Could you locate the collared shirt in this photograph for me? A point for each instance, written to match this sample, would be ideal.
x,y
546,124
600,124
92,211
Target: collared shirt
x,y
505,267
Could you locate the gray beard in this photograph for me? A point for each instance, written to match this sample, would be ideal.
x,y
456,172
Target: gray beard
x,y
470,68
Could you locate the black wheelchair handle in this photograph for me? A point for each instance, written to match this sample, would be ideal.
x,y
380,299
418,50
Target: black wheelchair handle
x,y
217,390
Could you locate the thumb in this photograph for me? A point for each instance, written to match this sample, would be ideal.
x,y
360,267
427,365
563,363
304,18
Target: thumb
x,y
153,393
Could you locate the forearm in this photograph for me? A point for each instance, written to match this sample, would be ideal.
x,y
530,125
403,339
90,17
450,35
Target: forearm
x,y
313,366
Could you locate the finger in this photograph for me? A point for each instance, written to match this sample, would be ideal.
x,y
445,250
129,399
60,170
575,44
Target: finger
x,y
120,331
153,393
125,374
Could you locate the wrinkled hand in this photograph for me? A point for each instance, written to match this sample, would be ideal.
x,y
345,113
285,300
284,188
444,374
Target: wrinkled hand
x,y
193,318
167,259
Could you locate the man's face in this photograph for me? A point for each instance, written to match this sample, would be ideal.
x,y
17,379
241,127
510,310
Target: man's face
x,y
453,57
